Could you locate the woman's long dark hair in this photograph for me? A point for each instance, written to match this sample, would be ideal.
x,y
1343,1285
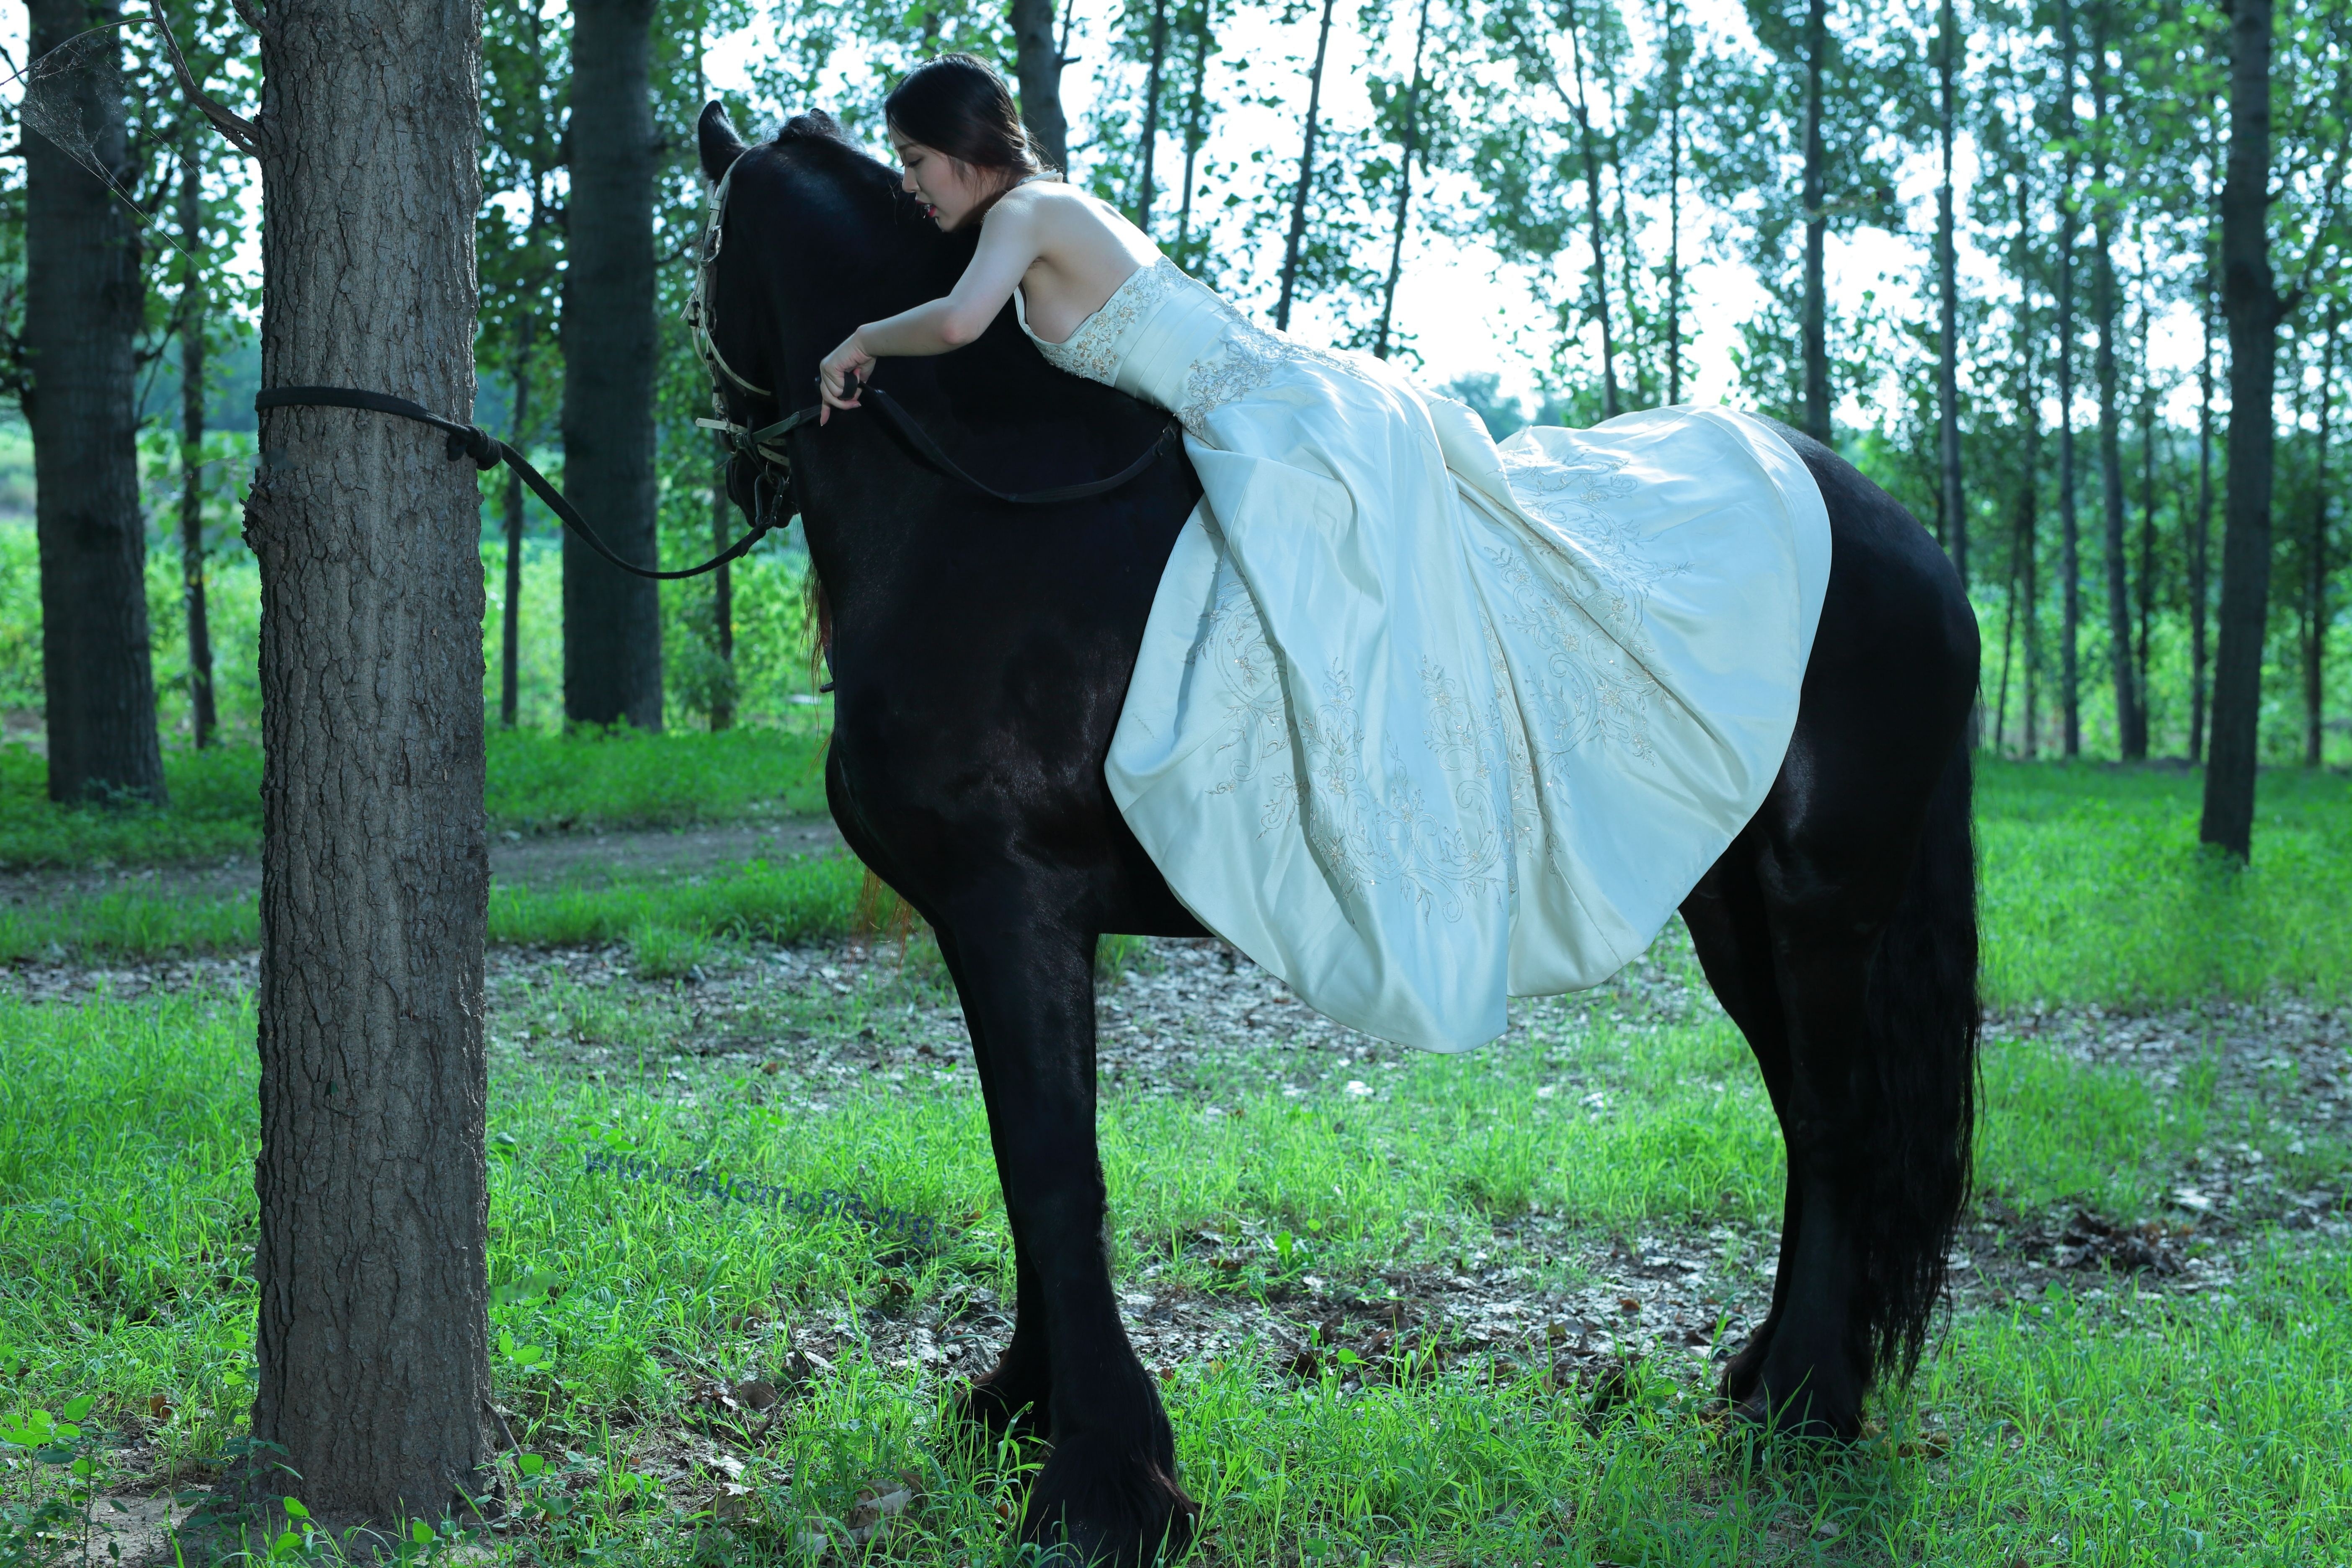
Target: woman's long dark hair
x,y
959,106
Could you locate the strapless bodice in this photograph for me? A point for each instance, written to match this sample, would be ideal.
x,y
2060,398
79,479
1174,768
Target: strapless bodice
x,y
1170,339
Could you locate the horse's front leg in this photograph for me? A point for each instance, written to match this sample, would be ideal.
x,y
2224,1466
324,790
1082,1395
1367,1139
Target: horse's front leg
x,y
1109,1489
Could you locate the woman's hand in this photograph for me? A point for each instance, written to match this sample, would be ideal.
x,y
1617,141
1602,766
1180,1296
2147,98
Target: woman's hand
x,y
832,376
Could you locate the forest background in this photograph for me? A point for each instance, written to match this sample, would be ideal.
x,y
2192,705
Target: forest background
x,y
1555,210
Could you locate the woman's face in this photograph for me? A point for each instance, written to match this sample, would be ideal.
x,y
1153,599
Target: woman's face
x,y
948,190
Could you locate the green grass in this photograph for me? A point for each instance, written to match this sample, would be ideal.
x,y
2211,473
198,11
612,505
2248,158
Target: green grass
x,y
2095,888
537,783
2138,1431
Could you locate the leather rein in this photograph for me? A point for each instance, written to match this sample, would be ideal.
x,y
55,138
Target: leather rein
x,y
763,446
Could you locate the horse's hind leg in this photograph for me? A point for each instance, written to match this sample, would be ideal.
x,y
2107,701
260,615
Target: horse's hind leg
x,y
1871,909
1727,919
1027,982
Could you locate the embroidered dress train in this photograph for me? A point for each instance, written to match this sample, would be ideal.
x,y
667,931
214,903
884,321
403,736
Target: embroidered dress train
x,y
1420,723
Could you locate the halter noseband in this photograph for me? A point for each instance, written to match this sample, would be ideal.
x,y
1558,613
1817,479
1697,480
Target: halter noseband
x,y
761,446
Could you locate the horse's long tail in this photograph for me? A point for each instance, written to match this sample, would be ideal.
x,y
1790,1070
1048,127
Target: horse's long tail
x,y
1922,1014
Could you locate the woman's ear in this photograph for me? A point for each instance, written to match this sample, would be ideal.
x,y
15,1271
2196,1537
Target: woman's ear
x,y
720,144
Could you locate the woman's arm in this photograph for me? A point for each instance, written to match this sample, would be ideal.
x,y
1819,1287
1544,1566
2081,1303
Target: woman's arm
x,y
1008,246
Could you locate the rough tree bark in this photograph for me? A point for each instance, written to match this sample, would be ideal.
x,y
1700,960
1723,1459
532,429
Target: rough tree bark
x,y
2131,723
1037,61
2314,561
2200,526
1677,58
84,301
2070,533
373,1375
1404,185
1947,273
1305,176
2028,541
1596,232
1152,114
612,621
204,715
2251,302
511,614
1815,325
1195,113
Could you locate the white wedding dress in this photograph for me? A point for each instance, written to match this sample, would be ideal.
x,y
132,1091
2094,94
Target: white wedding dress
x,y
1420,723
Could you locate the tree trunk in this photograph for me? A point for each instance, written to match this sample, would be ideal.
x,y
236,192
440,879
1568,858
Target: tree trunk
x,y
1676,58
1037,61
1948,358
2146,605
1609,404
2131,723
2200,535
1194,112
1404,186
2027,544
1151,113
722,596
612,621
1816,302
2314,577
510,616
2251,301
204,716
1305,176
84,303
2070,536
373,1375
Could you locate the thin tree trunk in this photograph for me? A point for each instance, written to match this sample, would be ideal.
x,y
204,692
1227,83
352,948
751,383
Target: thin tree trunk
x,y
2146,603
2200,535
1305,176
2070,538
2027,544
1404,186
1815,326
2131,724
612,620
194,322
510,614
1151,112
373,1373
723,596
2251,301
2008,650
1037,59
1195,109
84,303
1948,358
2314,581
1609,405
1676,59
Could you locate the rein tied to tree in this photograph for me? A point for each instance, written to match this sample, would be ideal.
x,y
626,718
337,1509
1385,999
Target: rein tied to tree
x,y
488,452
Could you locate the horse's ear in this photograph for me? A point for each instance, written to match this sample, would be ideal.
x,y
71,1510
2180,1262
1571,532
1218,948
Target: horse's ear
x,y
720,144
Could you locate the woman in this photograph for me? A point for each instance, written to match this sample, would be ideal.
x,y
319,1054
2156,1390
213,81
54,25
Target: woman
x,y
1418,723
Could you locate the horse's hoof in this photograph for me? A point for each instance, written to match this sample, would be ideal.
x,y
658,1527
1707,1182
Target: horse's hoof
x,y
1009,1397
1802,1415
1743,1370
1107,1504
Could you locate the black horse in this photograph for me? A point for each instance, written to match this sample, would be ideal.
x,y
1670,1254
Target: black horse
x,y
982,653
